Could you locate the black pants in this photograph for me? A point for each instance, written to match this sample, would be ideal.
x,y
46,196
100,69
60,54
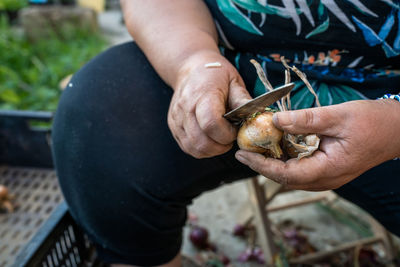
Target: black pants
x,y
125,179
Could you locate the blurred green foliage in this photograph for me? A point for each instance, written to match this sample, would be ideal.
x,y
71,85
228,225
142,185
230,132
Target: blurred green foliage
x,y
30,72
12,5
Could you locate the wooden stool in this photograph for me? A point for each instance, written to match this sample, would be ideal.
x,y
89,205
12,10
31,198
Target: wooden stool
x,y
261,194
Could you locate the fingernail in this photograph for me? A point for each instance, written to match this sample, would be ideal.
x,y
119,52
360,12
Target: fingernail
x,y
282,119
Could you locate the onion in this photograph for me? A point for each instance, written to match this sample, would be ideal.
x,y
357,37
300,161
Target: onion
x,y
199,237
5,198
259,134
3,192
239,230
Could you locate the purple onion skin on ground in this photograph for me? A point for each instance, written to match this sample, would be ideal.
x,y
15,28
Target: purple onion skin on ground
x,y
225,260
199,237
258,255
245,256
239,230
254,254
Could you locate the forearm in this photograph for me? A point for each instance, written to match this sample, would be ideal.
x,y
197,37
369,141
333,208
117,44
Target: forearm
x,y
169,32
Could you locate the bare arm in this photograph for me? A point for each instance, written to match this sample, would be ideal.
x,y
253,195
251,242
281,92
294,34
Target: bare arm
x,y
169,32
179,38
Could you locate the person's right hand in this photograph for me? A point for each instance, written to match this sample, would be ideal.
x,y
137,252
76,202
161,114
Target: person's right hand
x,y
202,95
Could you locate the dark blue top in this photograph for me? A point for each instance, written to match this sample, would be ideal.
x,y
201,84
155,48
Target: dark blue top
x,y
341,42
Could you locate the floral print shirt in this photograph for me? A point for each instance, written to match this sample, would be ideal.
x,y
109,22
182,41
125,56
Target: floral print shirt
x,y
350,49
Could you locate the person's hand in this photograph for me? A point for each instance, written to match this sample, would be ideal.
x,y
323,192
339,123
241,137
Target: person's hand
x,y
355,136
202,95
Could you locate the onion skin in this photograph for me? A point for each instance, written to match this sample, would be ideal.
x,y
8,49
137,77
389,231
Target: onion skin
x,y
300,145
5,198
289,148
239,230
258,134
3,193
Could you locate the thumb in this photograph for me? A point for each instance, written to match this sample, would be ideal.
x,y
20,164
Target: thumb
x,y
238,95
323,120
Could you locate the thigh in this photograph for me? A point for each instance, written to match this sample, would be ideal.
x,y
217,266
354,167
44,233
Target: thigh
x,y
124,177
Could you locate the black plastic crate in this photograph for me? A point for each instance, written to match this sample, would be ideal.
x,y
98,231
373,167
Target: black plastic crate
x,y
37,196
59,242
40,232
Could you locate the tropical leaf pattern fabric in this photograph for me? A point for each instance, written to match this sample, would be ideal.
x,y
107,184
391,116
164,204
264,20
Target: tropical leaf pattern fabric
x,y
328,94
294,9
349,49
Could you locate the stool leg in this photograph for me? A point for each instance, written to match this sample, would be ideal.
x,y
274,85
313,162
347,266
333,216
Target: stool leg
x,y
387,243
263,225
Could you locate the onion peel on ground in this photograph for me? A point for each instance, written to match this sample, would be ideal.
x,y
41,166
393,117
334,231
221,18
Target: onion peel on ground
x,y
5,199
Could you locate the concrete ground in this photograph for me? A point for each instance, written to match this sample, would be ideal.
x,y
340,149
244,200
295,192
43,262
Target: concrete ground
x,y
219,211
111,25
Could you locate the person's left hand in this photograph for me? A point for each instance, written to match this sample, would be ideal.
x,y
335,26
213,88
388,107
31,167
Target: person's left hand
x,y
355,136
